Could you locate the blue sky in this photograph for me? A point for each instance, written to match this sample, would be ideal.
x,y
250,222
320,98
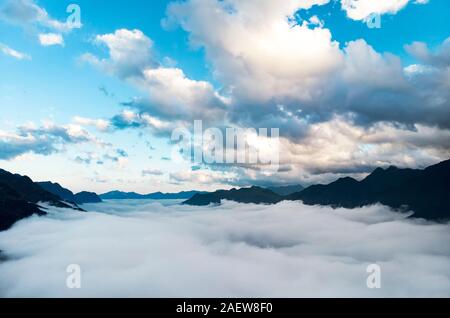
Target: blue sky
x,y
53,85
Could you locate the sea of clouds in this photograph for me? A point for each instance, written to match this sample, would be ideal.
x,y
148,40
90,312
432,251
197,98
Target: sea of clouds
x,y
153,249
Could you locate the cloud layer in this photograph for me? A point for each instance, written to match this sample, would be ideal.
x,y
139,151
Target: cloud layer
x,y
145,249
327,98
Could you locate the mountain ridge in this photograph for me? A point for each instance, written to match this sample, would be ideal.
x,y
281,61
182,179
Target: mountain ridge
x,y
425,192
20,198
119,195
67,195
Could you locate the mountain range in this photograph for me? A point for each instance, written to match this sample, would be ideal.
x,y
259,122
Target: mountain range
x,y
67,195
425,192
119,195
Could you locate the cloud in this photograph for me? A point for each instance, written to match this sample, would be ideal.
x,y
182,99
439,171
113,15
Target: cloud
x,y
152,172
236,42
304,76
5,49
35,19
130,51
174,96
440,58
305,83
26,13
44,140
100,124
284,250
208,177
362,9
170,93
49,39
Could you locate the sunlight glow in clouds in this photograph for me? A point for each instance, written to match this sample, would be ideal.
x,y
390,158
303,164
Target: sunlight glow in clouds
x,y
285,250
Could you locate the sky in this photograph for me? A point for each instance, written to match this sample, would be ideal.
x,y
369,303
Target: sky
x,y
90,97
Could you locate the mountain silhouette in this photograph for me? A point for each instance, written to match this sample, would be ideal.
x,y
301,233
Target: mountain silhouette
x,y
119,195
20,197
254,195
425,192
286,190
58,190
67,195
87,197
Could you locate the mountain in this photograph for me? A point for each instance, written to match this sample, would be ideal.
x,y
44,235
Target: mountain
x,y
87,197
67,195
58,190
255,195
118,195
19,198
426,192
286,190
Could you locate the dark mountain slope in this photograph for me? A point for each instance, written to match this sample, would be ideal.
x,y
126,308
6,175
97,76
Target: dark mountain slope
x,y
286,190
58,190
87,197
67,195
13,208
19,198
426,192
247,195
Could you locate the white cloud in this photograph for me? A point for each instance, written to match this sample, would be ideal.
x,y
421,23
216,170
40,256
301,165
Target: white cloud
x,y
35,20
173,95
285,250
362,9
100,124
5,49
49,39
254,49
130,52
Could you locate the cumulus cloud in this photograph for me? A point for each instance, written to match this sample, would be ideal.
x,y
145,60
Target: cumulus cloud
x,y
284,250
276,72
130,51
5,49
174,96
303,76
